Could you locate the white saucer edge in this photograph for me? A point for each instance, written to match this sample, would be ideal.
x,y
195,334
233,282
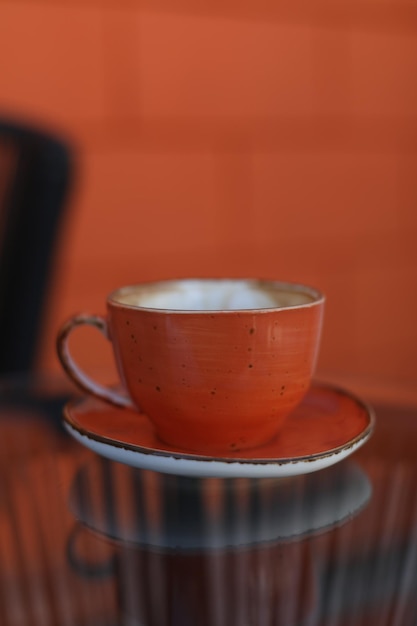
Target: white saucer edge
x,y
204,468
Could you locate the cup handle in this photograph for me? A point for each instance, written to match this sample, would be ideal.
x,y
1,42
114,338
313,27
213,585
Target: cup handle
x,y
80,378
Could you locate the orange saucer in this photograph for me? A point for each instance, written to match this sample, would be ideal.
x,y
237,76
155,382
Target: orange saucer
x,y
329,425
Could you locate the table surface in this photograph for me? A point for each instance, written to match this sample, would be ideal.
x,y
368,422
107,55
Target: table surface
x,y
87,541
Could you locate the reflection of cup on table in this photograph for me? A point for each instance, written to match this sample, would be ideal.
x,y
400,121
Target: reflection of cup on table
x,y
217,365
203,550
275,586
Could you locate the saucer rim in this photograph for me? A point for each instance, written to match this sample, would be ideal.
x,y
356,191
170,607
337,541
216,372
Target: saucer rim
x,y
342,451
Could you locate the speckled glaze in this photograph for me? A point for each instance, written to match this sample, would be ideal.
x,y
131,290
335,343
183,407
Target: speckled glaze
x,y
211,381
327,426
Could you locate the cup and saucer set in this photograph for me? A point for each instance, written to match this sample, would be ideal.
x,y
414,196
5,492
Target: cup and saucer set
x,y
217,381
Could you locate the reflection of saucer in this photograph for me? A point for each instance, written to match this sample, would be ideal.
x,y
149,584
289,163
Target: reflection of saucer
x,y
325,428
150,509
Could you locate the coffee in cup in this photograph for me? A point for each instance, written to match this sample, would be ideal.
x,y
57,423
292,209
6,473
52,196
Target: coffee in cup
x,y
216,364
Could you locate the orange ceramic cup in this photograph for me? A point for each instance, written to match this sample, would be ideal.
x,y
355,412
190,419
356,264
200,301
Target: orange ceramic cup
x,y
216,364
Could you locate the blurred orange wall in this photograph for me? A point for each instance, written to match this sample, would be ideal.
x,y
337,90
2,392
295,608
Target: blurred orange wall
x,y
258,138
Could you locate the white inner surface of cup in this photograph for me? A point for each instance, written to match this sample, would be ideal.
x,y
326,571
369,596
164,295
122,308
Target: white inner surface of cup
x,y
213,295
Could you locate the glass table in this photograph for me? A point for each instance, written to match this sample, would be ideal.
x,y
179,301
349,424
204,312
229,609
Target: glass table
x,y
86,541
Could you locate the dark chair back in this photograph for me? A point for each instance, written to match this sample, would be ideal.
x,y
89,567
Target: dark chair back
x,y
35,175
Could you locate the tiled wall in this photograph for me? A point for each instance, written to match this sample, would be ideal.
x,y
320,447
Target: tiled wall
x,y
234,138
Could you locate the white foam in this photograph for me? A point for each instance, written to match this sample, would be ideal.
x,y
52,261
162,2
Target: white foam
x,y
212,295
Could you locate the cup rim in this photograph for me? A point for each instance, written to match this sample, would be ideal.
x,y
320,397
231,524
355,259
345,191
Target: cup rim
x,y
318,297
